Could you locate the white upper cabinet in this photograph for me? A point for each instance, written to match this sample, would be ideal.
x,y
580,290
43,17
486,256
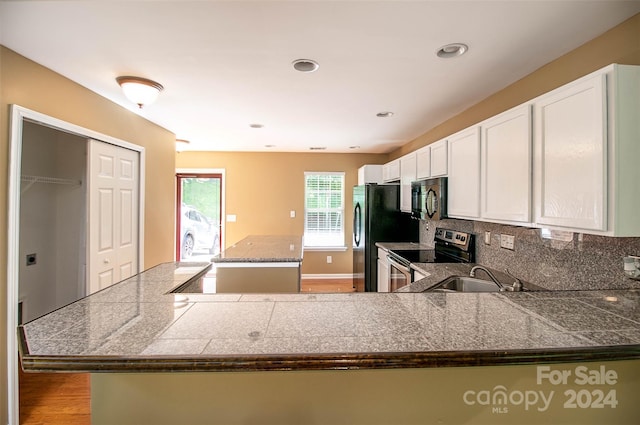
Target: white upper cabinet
x,y
505,166
439,155
370,174
407,175
423,163
432,160
391,171
586,153
571,148
464,174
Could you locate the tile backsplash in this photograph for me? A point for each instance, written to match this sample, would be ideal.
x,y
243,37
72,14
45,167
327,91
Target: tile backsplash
x,y
582,263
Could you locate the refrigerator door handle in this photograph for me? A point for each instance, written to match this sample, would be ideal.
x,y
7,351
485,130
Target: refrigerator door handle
x,y
356,224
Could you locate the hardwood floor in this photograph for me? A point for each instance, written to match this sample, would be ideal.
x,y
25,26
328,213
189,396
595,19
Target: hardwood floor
x,y
55,399
65,398
326,285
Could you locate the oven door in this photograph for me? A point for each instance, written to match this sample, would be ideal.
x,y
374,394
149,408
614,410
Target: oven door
x,y
399,275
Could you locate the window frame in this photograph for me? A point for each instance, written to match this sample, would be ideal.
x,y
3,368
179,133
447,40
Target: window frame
x,y
310,245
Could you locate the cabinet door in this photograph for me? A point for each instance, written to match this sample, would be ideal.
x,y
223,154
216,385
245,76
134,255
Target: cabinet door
x,y
407,175
383,275
570,156
439,161
506,165
391,171
423,163
464,174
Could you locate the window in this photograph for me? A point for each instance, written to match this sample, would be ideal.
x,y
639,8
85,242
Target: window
x,y
324,210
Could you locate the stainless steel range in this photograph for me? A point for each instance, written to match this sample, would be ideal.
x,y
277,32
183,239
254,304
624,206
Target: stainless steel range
x,y
450,246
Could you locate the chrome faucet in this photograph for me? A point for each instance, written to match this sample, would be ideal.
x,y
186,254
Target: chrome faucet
x,y
472,273
517,284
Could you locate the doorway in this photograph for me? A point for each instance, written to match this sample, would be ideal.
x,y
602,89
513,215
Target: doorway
x,y
63,187
199,232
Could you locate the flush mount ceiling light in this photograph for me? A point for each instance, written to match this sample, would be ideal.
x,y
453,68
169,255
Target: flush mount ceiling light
x,y
385,114
305,65
452,50
140,91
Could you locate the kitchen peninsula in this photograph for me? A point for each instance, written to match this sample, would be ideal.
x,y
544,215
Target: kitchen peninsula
x,y
323,352
260,264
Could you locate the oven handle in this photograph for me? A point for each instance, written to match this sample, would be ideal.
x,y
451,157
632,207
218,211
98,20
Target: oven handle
x,y
398,265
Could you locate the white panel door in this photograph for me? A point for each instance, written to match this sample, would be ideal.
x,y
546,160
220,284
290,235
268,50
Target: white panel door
x,y
113,214
570,156
506,167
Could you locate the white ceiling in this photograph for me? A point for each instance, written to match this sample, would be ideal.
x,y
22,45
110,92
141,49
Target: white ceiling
x,y
227,64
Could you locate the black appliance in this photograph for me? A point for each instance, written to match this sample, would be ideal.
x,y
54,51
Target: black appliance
x,y
450,246
429,199
377,218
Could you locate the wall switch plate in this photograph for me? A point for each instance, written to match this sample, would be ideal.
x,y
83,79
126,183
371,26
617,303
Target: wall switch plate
x,y
292,214
231,218
31,259
507,241
329,259
487,238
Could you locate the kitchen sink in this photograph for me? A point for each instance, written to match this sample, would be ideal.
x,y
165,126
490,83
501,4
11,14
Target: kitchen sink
x,y
464,284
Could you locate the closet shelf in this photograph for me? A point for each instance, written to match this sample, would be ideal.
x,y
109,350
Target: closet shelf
x,y
31,180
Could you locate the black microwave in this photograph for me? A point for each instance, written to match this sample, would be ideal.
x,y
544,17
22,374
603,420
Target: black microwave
x,y
429,199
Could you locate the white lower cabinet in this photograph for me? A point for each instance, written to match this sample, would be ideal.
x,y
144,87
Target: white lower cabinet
x,y
383,271
506,165
464,174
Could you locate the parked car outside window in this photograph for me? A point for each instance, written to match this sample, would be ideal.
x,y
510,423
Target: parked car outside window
x,y
199,233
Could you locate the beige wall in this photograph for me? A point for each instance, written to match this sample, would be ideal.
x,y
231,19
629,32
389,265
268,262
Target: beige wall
x,y
262,188
32,86
620,45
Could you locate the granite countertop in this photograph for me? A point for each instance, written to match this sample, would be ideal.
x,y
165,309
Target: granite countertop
x,y
263,249
139,325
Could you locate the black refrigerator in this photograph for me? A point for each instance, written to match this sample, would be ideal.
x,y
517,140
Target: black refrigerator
x,y
377,218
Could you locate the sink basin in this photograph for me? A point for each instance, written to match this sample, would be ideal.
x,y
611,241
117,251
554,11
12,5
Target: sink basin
x,y
464,284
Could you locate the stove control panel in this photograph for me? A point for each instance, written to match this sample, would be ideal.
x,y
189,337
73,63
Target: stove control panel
x,y
460,239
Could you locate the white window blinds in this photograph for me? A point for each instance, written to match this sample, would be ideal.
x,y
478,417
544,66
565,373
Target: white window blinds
x,y
324,209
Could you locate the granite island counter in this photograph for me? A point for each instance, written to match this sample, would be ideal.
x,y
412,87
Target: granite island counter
x,y
260,264
361,342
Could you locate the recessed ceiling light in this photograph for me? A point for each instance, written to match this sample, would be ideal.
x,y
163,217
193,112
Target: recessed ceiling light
x,y
318,148
305,65
452,50
354,147
385,114
269,146
256,125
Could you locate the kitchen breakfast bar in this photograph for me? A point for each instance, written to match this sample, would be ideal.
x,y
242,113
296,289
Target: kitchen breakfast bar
x,y
165,357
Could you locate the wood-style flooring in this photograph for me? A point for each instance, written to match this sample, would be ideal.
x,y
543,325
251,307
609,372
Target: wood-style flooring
x,y
65,398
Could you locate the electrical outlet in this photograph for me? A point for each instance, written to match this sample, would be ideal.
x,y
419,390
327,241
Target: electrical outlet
x,y
487,238
507,241
329,259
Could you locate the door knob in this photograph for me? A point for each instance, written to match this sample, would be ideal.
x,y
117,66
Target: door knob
x,y
106,261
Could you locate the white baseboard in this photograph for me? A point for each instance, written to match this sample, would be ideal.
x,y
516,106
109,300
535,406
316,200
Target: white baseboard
x,y
328,276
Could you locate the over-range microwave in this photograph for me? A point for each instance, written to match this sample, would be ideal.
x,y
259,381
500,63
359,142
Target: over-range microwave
x,y
429,199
